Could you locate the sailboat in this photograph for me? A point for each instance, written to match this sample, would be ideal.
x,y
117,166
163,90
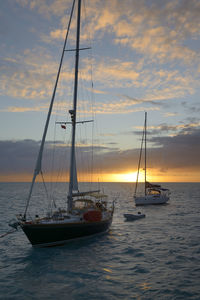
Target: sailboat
x,y
87,212
153,193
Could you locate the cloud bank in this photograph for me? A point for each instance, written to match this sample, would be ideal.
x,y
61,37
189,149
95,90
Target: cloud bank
x,y
180,151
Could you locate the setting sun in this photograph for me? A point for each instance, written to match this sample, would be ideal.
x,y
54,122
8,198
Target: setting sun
x,y
128,177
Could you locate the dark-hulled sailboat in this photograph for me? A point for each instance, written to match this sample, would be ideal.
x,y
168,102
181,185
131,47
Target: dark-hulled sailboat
x,y
87,213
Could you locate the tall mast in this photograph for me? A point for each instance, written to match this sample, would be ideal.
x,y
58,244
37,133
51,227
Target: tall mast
x,y
145,152
73,112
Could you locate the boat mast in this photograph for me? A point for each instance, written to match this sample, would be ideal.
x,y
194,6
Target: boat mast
x,y
140,156
145,152
73,112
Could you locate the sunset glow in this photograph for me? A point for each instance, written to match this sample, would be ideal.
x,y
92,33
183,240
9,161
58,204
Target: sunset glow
x,y
128,177
156,176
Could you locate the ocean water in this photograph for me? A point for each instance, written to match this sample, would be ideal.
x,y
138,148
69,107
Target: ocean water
x,y
157,257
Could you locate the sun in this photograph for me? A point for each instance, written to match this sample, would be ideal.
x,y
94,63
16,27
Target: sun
x,y
127,177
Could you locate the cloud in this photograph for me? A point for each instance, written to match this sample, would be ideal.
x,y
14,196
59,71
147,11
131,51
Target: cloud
x,y
16,109
158,30
30,76
47,9
174,130
191,107
157,84
17,156
162,64
115,72
33,77
20,156
98,91
180,151
120,107
134,101
170,114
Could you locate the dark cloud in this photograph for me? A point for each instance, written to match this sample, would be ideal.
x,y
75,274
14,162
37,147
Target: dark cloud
x,y
20,156
180,151
180,129
164,152
17,156
168,152
191,108
160,129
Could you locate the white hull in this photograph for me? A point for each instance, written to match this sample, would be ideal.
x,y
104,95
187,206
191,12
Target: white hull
x,y
151,199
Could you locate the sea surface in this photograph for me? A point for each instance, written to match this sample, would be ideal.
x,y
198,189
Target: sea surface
x,y
157,257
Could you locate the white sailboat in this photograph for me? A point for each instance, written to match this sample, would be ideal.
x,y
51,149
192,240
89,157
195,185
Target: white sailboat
x,y
86,213
153,193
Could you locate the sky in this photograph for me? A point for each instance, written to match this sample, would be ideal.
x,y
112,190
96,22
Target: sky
x,y
144,56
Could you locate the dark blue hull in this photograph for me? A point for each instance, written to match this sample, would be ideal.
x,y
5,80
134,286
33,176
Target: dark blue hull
x,y
44,235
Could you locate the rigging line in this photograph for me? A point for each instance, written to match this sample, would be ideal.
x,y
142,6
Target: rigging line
x,y
47,195
8,232
87,25
81,160
140,156
87,158
44,185
145,153
89,40
55,175
56,164
92,99
63,159
53,161
39,158
90,57
92,139
92,156
93,115
81,155
60,163
84,130
92,92
55,150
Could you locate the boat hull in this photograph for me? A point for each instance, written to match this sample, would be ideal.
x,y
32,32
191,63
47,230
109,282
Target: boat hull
x,y
133,217
151,200
44,235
